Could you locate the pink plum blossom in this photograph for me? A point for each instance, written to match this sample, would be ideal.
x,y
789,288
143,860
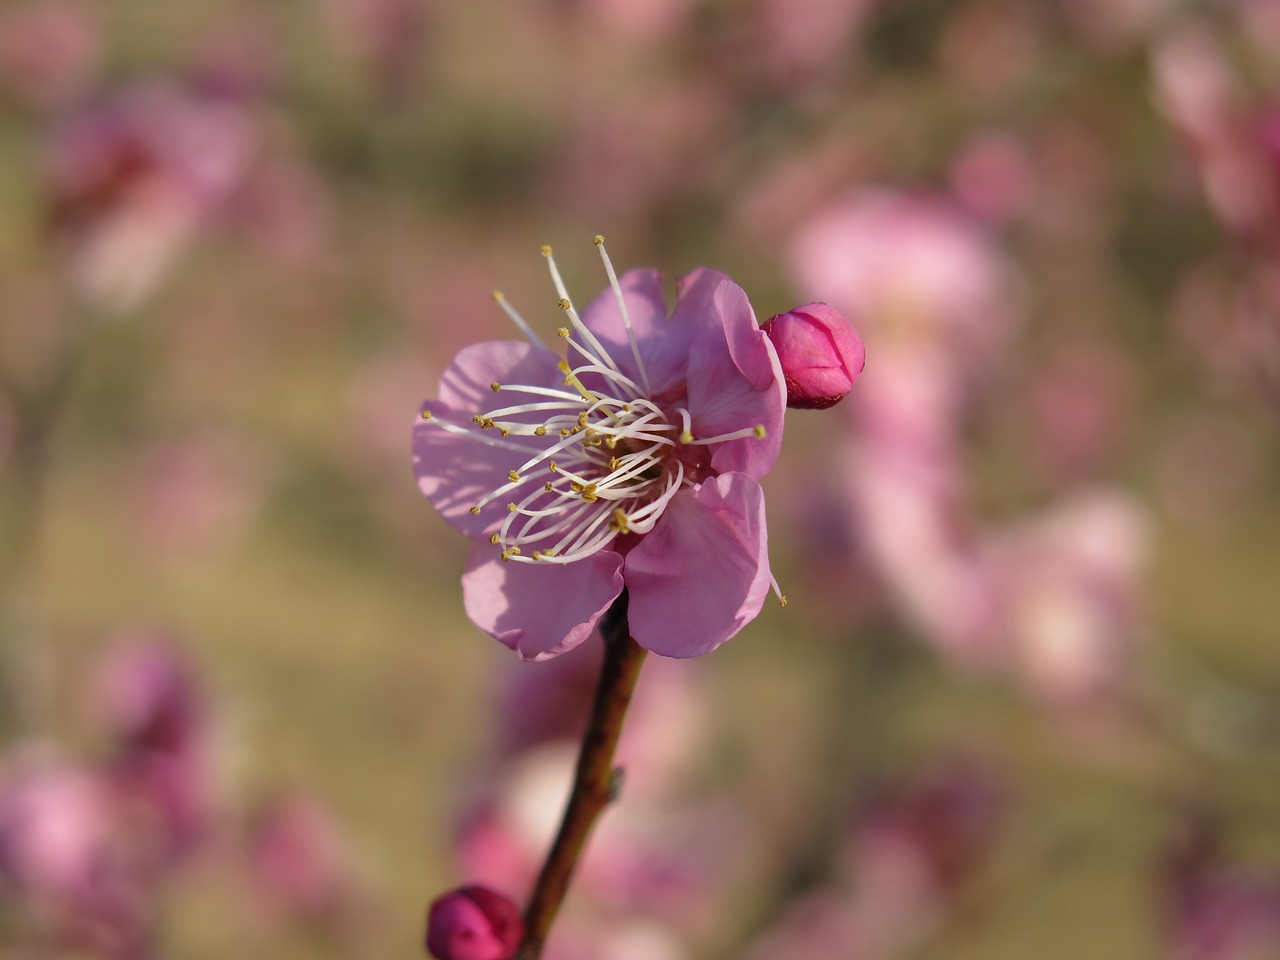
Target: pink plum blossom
x,y
48,50
151,702
633,465
298,858
897,871
1199,93
131,181
55,827
1067,586
1217,909
913,268
65,851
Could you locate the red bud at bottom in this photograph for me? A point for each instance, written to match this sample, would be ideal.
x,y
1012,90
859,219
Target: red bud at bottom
x,y
473,923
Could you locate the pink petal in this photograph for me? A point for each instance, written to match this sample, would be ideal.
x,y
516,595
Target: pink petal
x,y
465,385
540,610
663,344
736,383
455,471
703,572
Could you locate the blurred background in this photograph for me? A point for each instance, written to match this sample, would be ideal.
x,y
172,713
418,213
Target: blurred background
x,y
1025,697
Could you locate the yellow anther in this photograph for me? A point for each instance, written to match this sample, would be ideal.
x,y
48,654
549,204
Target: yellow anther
x,y
626,408
537,554
588,490
513,476
611,440
512,508
686,437
494,539
582,419
539,431
620,521
510,552
563,304
475,511
504,431
426,414
547,486
477,420
552,467
495,386
564,431
546,249
499,296
614,464
782,601
759,431
597,239
571,380
548,553
563,333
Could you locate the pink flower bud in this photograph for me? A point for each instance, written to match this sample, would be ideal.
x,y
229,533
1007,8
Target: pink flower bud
x,y
473,923
820,353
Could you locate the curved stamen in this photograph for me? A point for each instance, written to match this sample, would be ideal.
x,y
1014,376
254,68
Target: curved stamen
x,y
518,320
757,431
566,304
482,438
626,314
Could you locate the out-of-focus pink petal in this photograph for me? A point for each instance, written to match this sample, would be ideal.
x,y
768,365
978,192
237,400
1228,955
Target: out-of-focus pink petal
x,y
736,383
539,609
703,572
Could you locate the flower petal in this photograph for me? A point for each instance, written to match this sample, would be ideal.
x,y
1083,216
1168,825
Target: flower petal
x,y
663,345
454,461
702,573
736,383
540,610
466,384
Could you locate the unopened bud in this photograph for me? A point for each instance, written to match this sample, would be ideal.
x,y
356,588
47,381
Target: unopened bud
x,y
820,353
473,923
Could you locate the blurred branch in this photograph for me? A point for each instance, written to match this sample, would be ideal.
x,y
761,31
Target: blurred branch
x,y
595,784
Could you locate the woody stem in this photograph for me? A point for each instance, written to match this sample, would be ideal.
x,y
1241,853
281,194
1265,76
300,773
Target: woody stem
x,y
596,781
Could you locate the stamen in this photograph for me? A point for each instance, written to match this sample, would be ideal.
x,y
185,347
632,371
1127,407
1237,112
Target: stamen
x,y
758,432
478,437
518,320
619,522
571,379
622,307
600,355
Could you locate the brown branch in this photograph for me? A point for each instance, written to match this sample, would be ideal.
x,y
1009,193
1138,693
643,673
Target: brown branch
x,y
595,782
